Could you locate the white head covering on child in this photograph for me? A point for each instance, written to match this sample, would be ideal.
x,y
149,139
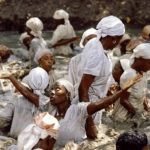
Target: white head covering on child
x,y
86,34
36,26
41,53
44,125
111,26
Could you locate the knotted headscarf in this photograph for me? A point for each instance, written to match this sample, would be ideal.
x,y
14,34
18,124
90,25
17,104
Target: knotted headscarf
x,y
36,26
111,26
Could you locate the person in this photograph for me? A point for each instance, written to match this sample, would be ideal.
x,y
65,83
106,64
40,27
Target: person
x,y
74,116
74,62
34,27
145,34
30,100
132,139
64,31
133,104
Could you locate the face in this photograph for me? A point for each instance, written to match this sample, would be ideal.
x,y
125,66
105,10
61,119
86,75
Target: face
x,y
46,62
27,41
88,38
28,30
111,42
58,94
58,22
145,65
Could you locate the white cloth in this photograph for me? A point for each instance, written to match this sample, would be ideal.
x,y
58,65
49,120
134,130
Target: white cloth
x,y
88,32
38,80
44,125
136,98
142,50
36,26
72,126
111,26
41,53
96,63
23,36
63,31
68,85
35,45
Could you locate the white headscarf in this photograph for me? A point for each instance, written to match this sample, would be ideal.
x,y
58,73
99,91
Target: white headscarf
x,y
111,26
68,85
36,26
37,80
45,125
86,34
41,53
23,36
61,14
142,51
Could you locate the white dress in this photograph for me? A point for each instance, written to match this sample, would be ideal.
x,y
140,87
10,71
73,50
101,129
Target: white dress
x,y
72,126
63,31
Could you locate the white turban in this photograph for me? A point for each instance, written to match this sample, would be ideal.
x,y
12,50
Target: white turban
x,y
36,26
111,26
23,36
44,125
61,14
41,53
142,51
37,80
86,34
68,85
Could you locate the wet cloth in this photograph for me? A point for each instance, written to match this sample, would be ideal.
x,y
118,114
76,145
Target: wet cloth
x,y
74,120
136,98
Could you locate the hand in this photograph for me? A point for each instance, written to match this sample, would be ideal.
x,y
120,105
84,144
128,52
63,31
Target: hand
x,y
4,74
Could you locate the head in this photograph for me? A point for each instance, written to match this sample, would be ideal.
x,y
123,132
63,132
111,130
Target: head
x,y
25,39
61,92
110,31
37,80
132,140
34,27
45,59
141,57
87,35
61,17
146,32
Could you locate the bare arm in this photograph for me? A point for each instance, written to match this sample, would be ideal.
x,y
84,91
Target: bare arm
x,y
126,104
33,98
85,83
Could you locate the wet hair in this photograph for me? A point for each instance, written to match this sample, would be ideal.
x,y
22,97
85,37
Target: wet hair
x,y
131,140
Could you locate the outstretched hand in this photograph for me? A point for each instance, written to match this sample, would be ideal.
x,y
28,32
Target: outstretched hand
x,y
132,81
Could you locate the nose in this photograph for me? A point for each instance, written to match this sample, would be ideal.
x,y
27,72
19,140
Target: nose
x,y
52,92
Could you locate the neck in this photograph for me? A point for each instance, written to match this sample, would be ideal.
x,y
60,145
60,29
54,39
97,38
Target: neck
x,y
136,67
62,108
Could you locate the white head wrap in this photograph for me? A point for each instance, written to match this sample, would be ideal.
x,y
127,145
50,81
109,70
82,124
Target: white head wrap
x,y
68,85
142,51
45,125
61,14
37,80
111,26
86,34
125,63
41,53
36,26
23,36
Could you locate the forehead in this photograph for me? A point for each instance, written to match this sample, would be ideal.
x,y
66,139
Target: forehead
x,y
48,55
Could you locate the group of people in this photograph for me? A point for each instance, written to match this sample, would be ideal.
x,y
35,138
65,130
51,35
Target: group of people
x,y
47,113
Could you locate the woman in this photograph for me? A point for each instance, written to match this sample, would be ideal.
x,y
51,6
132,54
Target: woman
x,y
132,104
34,27
64,31
75,116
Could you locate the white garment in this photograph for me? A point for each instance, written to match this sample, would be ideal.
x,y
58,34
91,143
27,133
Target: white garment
x,y
72,127
96,63
36,44
63,31
136,98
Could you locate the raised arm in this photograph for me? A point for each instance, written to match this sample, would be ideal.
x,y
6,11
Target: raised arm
x,y
85,83
33,98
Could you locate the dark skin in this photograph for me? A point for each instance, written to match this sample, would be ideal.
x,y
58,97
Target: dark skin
x,y
58,22
59,97
123,46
